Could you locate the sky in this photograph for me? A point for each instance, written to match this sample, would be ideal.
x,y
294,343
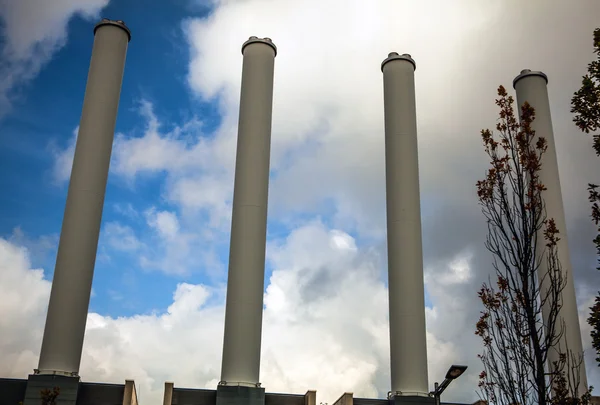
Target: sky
x,y
157,307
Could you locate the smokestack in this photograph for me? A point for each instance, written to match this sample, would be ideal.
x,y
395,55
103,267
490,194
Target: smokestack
x,y
408,345
532,87
72,283
245,283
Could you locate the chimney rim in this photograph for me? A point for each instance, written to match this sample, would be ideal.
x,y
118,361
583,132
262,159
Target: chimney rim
x,y
115,23
254,40
396,56
528,72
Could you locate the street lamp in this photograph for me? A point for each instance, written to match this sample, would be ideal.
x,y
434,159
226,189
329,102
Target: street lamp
x,y
453,373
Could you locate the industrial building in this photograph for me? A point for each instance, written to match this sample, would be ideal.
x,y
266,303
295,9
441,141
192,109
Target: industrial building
x,y
62,343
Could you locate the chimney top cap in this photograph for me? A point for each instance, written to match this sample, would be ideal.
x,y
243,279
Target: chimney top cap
x,y
528,72
254,39
395,56
115,23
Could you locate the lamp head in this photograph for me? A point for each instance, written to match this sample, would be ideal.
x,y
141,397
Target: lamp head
x,y
455,371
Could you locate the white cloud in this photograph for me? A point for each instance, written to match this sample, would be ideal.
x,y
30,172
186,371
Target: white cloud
x,y
63,159
198,168
166,223
23,306
211,192
33,30
459,271
324,328
328,109
154,151
121,237
42,248
161,243
126,210
171,249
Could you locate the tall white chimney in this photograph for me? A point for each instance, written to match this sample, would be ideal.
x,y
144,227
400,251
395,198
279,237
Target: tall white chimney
x,y
245,283
72,283
532,87
408,344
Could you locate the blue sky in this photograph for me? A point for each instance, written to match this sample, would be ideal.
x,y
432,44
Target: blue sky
x,y
45,115
162,257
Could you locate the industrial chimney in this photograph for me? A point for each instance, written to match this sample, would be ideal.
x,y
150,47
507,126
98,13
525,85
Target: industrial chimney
x,y
245,284
532,87
408,345
62,343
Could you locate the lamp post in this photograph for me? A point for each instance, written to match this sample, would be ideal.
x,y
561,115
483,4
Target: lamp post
x,y
453,373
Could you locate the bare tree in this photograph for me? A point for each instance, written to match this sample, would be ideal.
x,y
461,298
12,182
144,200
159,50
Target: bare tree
x,y
517,338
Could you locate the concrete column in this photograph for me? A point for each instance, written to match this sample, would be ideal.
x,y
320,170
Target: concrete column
x,y
408,345
310,398
72,283
245,283
168,396
532,87
347,398
130,394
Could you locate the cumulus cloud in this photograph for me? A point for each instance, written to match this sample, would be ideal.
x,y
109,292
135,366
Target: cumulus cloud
x,y
25,295
126,210
171,250
160,243
42,248
197,184
121,237
199,168
33,30
325,325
